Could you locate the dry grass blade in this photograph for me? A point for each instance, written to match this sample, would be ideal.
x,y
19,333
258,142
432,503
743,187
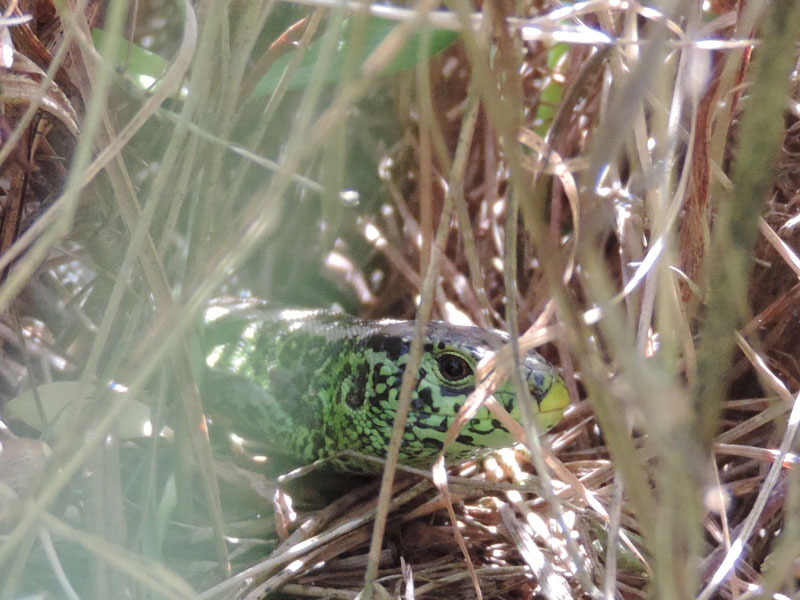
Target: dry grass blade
x,y
554,586
736,231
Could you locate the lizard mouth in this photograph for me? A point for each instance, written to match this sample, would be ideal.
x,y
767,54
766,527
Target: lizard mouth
x,y
553,405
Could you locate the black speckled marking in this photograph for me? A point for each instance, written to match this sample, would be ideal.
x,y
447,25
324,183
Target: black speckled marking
x,y
441,426
426,399
433,444
377,376
394,346
461,391
356,395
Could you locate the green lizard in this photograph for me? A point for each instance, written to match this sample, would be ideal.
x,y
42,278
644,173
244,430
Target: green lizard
x,y
314,383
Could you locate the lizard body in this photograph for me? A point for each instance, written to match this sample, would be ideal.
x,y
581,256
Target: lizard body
x,y
315,383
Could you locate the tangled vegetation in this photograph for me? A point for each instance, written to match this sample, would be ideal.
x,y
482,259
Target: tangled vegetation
x,y
615,183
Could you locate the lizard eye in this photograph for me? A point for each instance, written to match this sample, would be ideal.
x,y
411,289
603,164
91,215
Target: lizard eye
x,y
454,368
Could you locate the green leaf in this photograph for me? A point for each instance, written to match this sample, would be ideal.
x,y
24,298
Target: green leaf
x,y
145,67
552,93
376,31
60,399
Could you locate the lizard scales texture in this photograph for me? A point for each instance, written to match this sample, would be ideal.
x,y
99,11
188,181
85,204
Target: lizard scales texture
x,y
315,383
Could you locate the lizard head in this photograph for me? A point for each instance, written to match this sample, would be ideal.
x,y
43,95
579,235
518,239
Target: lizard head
x,y
362,414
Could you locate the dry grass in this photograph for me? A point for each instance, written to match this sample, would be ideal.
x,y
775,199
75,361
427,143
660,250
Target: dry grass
x,y
617,181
